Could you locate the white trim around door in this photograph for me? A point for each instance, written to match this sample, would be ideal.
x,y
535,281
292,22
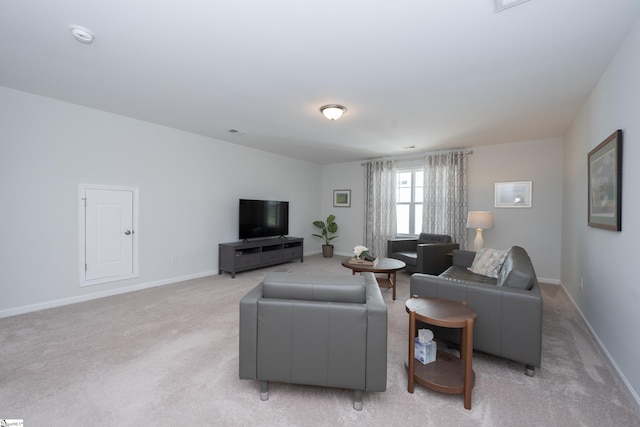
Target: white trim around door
x,y
109,233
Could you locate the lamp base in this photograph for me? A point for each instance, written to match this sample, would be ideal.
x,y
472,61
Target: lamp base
x,y
478,242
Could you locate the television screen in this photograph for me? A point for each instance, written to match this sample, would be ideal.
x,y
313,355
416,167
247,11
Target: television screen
x,y
263,218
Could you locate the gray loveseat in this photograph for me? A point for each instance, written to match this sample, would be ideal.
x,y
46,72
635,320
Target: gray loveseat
x,y
323,331
509,307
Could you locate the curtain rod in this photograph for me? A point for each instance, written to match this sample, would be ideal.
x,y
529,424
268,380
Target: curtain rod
x,y
417,157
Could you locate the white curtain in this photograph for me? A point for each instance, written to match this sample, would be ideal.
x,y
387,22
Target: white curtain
x,y
445,195
380,205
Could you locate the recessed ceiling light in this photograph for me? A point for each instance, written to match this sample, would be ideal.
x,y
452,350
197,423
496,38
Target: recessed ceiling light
x,y
82,34
505,4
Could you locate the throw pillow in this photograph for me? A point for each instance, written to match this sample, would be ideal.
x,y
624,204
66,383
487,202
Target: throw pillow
x,y
488,262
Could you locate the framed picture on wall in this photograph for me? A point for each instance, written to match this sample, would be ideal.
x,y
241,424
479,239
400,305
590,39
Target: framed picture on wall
x,y
513,194
605,183
342,198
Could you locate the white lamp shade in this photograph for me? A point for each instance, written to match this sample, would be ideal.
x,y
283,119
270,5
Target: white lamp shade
x,y
480,219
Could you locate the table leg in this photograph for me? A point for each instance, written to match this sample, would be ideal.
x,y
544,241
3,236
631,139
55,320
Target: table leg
x,y
393,284
411,362
466,352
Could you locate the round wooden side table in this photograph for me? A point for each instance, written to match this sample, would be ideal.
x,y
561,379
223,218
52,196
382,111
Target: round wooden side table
x,y
448,374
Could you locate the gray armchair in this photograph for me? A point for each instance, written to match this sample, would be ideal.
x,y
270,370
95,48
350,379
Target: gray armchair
x,y
323,331
428,254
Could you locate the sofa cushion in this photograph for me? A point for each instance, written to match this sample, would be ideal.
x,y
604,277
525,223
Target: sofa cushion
x,y
488,262
456,273
350,289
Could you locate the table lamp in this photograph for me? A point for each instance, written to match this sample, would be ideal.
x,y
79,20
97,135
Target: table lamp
x,y
480,220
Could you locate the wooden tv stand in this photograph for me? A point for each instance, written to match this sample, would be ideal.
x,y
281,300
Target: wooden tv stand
x,y
234,257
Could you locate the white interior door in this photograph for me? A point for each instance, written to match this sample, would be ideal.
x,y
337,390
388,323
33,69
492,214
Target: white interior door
x,y
110,239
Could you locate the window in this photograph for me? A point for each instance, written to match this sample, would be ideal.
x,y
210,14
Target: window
x,y
409,201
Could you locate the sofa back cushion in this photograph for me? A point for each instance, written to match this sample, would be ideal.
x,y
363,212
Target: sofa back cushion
x,y
434,238
351,289
517,270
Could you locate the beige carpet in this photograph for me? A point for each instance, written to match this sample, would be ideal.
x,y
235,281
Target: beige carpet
x,y
169,356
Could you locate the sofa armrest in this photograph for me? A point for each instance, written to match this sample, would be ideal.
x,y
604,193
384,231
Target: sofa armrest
x,y
249,333
376,336
401,245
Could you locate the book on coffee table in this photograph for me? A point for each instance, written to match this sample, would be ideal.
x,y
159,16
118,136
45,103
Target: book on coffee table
x,y
358,261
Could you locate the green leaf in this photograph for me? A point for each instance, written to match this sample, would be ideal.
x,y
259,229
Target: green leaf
x,y
318,224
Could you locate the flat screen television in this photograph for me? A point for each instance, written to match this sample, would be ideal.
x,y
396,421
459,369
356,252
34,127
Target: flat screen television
x,y
263,218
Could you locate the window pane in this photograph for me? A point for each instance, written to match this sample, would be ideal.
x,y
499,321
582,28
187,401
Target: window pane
x,y
419,183
404,179
404,195
418,219
402,221
418,195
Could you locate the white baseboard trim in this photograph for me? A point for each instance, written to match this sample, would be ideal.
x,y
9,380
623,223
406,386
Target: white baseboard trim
x,y
349,254
612,362
550,281
101,294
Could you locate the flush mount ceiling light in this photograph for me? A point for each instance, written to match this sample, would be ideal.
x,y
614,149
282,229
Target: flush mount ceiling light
x,y
332,111
505,4
82,34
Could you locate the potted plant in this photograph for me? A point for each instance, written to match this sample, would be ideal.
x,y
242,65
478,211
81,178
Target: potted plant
x,y
328,229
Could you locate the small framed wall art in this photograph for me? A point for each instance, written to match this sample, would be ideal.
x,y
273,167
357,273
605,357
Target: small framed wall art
x,y
342,198
605,183
513,194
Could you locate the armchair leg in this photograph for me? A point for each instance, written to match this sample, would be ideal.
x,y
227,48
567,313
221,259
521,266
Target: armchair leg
x,y
264,390
357,400
529,370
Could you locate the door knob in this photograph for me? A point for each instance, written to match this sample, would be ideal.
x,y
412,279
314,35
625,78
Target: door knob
x,y
127,232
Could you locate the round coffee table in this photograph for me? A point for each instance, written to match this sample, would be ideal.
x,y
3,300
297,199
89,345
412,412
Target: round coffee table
x,y
388,266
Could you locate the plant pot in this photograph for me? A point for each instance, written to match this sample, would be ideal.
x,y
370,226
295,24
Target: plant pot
x,y
327,251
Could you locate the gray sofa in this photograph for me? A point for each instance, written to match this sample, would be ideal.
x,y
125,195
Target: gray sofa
x,y
429,253
323,331
509,307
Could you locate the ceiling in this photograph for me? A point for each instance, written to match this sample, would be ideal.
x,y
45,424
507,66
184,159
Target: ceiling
x,y
429,74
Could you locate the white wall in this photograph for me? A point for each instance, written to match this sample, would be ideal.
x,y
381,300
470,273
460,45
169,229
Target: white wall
x,y
344,176
538,229
189,190
605,259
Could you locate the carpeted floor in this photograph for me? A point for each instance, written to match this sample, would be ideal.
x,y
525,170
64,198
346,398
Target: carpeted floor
x,y
169,356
